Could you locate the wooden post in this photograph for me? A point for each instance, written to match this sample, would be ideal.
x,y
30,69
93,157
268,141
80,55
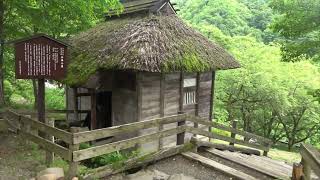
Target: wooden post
x,y
233,135
75,104
162,105
196,125
306,169
50,155
73,166
297,171
93,109
211,117
180,137
265,153
41,100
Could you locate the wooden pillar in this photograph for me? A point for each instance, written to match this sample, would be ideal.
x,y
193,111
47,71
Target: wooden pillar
x,y
75,104
73,166
212,99
93,109
180,136
162,105
233,135
41,100
196,125
297,171
50,155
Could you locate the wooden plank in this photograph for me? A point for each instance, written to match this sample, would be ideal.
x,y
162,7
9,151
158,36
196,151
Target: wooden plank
x,y
220,167
311,156
226,147
116,130
224,138
138,162
13,120
48,145
227,128
124,144
261,168
61,134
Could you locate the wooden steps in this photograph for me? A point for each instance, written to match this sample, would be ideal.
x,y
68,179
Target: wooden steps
x,y
220,167
268,167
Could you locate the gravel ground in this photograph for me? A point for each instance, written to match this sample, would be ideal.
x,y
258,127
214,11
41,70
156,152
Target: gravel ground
x,y
181,165
18,160
174,168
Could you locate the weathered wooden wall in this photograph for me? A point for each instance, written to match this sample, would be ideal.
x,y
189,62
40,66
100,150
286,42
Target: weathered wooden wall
x,y
205,94
124,101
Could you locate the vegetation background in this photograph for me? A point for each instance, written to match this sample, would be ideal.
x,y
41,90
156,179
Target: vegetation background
x,y
275,94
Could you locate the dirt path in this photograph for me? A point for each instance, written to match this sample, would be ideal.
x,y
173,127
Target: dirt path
x,y
18,160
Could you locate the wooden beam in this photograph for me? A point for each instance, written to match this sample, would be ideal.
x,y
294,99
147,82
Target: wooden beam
x,y
220,167
162,104
197,98
40,126
227,147
227,128
211,115
75,104
224,138
124,144
48,145
116,130
93,109
310,160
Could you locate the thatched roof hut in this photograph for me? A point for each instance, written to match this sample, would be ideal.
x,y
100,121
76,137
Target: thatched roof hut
x,y
144,42
141,64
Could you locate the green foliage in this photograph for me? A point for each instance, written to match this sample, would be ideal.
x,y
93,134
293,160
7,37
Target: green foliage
x,y
115,159
299,25
271,98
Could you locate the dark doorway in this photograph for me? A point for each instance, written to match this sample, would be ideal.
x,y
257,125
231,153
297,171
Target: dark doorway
x,y
104,109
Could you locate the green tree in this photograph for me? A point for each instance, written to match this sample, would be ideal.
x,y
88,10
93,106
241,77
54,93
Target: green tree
x,y
56,18
299,25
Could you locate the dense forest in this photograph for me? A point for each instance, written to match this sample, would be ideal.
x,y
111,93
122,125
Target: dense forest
x,y
276,92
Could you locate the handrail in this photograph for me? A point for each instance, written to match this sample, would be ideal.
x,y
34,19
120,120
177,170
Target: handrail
x,y
310,160
116,130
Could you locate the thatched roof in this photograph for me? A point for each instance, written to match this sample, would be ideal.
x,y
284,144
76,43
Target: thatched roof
x,y
144,43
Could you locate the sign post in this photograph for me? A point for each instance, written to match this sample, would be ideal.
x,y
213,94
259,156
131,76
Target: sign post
x,y
40,57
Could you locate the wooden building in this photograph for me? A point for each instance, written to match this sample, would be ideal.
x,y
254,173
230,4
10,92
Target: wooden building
x,y
142,64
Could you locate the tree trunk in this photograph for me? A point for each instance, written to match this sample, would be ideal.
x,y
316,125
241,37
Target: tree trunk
x,y
35,93
2,101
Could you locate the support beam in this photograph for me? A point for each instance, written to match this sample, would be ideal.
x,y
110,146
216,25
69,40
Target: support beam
x,y
180,136
162,105
93,109
211,117
75,104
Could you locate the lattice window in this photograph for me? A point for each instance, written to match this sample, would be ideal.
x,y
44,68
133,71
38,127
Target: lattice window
x,y
189,88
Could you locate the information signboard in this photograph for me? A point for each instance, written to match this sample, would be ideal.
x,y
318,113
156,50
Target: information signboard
x,y
40,57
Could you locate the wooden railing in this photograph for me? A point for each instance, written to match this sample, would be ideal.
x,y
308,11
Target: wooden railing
x,y
310,160
262,143
71,153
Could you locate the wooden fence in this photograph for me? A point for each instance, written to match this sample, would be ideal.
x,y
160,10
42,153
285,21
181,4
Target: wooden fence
x,y
261,142
71,153
310,160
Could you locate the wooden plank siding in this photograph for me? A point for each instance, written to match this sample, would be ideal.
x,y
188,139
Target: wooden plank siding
x,y
205,95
